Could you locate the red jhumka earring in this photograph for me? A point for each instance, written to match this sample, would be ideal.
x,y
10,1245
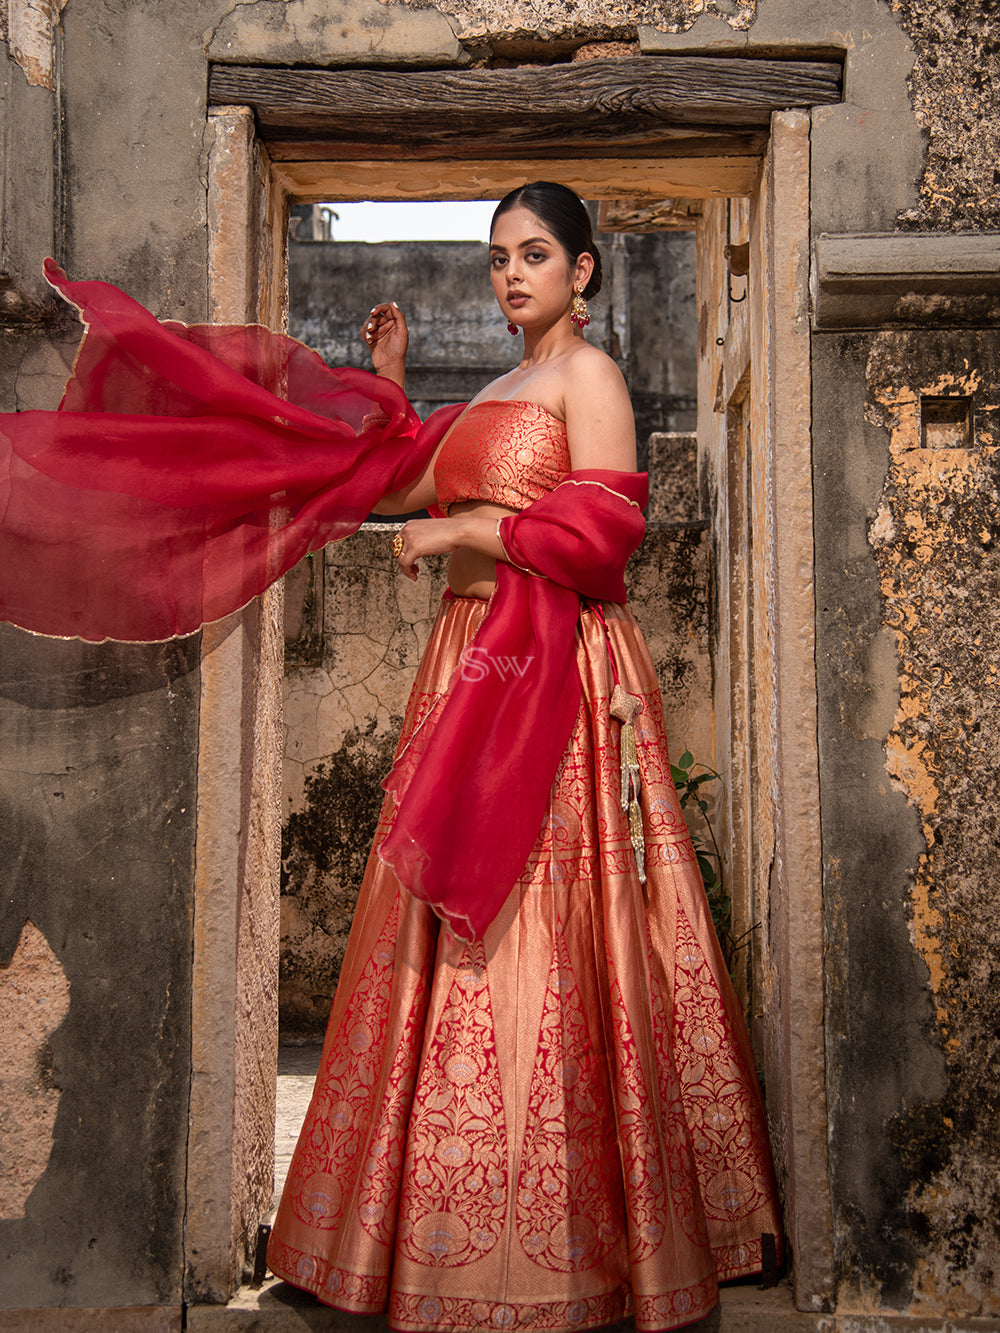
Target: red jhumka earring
x,y
580,317
512,328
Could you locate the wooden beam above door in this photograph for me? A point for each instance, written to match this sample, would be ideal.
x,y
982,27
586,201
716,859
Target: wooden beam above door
x,y
628,100
640,179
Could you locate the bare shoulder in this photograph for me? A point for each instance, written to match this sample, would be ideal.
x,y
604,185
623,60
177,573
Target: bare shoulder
x,y
588,360
599,420
591,375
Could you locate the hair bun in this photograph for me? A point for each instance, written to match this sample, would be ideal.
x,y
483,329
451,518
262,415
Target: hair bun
x,y
597,277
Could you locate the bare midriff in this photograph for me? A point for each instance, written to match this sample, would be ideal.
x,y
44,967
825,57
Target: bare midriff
x,y
471,573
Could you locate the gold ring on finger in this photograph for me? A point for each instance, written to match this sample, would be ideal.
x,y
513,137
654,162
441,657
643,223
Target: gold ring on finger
x,y
397,545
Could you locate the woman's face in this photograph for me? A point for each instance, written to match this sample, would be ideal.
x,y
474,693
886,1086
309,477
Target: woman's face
x,y
532,275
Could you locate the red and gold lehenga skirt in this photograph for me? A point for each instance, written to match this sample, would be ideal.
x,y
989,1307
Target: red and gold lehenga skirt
x,y
557,1127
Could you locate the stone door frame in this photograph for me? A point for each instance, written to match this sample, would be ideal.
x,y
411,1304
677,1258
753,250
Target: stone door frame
x,y
235,991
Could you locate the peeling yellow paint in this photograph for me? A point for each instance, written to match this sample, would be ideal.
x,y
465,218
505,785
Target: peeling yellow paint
x,y
935,538
910,773
34,1000
30,33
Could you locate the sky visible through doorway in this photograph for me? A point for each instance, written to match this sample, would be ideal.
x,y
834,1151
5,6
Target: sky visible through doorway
x,y
411,221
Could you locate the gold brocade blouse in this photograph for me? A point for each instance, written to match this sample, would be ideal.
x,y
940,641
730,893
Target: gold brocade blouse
x,y
508,452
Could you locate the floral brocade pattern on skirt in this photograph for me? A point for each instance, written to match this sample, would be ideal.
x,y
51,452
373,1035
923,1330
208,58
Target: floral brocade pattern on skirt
x,y
560,1126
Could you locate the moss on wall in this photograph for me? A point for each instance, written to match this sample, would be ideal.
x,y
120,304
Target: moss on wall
x,y
325,848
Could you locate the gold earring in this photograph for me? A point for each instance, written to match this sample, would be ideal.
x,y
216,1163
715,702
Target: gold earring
x,y
580,317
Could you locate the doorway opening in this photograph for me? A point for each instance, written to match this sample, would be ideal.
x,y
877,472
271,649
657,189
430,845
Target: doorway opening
x,y
338,749
775,179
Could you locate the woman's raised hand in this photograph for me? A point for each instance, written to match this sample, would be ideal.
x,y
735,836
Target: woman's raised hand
x,y
386,337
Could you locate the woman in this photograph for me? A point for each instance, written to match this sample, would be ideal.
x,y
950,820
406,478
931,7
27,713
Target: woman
x,y
543,1113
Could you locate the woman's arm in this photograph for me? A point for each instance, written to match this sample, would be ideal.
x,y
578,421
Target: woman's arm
x,y
420,494
600,427
441,536
387,339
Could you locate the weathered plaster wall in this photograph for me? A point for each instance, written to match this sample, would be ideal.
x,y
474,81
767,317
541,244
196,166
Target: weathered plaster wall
x,y
955,92
98,773
934,538
96,830
644,315
886,625
133,150
906,602
34,999
352,32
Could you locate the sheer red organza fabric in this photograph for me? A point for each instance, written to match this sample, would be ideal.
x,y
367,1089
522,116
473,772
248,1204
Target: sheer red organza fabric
x,y
493,744
221,455
189,467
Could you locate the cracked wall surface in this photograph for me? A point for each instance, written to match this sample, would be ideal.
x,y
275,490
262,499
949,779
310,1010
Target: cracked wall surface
x,y
935,536
342,719
285,31
908,511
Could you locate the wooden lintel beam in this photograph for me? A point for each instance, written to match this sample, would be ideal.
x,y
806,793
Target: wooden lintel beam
x,y
640,179
427,105
751,143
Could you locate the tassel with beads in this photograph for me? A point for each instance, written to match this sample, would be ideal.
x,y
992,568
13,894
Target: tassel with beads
x,y
625,707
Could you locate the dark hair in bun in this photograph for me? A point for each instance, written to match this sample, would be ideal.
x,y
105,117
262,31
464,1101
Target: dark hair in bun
x,y
564,215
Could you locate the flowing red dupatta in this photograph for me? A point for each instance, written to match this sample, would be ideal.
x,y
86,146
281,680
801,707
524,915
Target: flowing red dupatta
x,y
472,786
222,455
189,467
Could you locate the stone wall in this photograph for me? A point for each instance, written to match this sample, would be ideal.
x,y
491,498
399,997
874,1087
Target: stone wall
x,y
644,315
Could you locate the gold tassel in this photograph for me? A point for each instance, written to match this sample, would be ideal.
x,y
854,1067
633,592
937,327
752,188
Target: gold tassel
x,y
625,707
638,836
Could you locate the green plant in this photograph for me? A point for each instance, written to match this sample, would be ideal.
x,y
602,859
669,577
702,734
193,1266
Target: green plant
x,y
690,778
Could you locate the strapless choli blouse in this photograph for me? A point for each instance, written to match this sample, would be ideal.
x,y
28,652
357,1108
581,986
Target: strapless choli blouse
x,y
507,452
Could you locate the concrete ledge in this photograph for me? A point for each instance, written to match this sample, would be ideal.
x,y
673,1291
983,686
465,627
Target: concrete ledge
x,y
122,1319
278,1308
872,280
340,32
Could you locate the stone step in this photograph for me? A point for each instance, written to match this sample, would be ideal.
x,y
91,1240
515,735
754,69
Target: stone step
x,y
278,1308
